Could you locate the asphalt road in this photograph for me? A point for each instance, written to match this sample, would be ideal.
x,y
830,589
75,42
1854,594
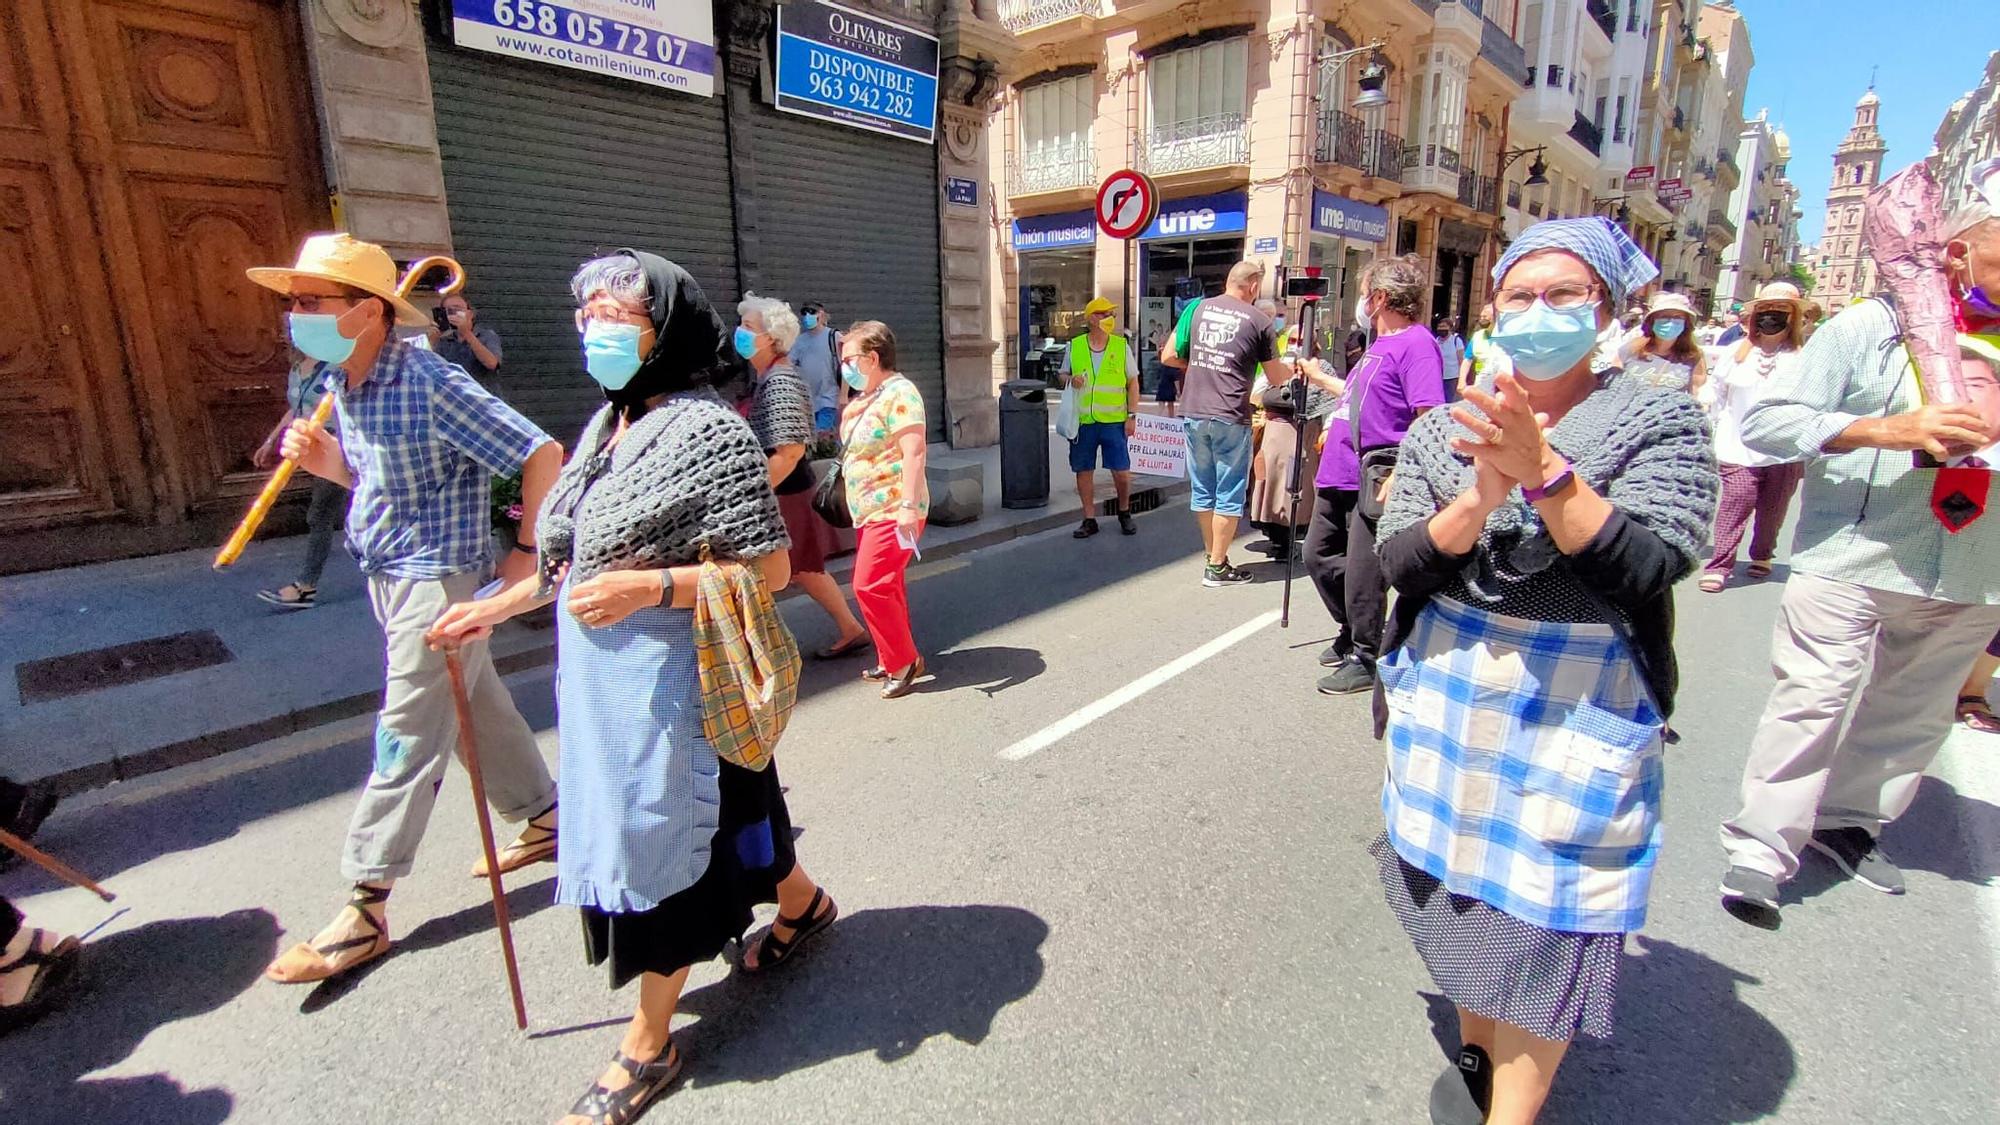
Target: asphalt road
x,y
1160,910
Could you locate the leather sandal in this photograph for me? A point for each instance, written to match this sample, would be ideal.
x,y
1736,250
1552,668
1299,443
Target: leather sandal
x,y
536,844
307,964
773,950
1759,570
903,684
1712,583
876,675
649,1082
848,647
54,968
1976,714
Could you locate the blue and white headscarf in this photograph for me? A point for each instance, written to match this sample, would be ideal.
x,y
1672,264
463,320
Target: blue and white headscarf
x,y
1601,243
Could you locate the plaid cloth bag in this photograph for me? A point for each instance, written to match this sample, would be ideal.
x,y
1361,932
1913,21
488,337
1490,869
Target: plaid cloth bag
x,y
748,662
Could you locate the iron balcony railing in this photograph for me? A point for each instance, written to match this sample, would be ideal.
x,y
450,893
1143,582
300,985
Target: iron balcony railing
x,y
1431,156
1216,141
1052,168
1553,75
1343,139
1024,15
1481,193
1586,133
1719,221
1384,154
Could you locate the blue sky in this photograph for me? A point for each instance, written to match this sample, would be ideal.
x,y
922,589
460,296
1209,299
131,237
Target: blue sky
x,y
1812,64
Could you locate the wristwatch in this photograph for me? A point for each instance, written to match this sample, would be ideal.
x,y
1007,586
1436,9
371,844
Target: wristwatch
x,y
1565,477
908,506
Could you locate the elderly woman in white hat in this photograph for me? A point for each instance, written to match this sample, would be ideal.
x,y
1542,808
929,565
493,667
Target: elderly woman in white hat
x,y
1753,484
1663,352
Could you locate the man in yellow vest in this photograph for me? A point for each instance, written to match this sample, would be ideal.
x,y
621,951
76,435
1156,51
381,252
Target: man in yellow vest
x,y
1099,366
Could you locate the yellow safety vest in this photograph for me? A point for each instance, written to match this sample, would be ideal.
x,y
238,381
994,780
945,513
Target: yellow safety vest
x,y
1104,390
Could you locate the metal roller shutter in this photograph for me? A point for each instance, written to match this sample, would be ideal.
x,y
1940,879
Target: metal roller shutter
x,y
545,168
850,218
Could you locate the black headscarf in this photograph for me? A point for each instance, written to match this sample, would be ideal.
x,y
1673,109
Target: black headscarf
x,y
687,344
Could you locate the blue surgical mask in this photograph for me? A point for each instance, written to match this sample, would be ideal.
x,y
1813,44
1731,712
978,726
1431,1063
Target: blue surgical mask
x,y
611,353
851,372
1278,322
318,335
1669,328
809,321
746,342
1544,343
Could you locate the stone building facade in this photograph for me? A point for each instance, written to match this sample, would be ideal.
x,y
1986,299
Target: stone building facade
x,y
1845,271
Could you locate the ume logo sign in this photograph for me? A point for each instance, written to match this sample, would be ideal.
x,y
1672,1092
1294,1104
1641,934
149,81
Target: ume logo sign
x,y
1188,222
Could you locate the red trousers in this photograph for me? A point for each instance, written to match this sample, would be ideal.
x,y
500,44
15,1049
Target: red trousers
x,y
879,563
1764,493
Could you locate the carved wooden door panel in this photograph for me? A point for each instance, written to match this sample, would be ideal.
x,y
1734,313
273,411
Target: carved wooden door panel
x,y
68,444
199,143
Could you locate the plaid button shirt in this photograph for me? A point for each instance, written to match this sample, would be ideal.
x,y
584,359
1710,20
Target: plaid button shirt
x,y
424,442
1865,515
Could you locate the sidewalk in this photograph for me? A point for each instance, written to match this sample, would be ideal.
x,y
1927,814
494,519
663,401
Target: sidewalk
x,y
252,672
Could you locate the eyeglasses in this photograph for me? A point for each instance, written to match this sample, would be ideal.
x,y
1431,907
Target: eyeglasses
x,y
611,314
1565,297
309,303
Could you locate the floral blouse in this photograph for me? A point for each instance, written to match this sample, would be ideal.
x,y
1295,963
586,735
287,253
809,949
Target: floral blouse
x,y
872,463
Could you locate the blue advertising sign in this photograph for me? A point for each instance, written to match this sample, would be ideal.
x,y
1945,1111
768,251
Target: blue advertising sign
x,y
841,65
1198,216
1055,232
963,192
1349,218
658,42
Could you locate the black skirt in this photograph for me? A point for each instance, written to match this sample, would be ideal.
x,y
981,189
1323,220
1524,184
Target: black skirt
x,y
1549,982
750,853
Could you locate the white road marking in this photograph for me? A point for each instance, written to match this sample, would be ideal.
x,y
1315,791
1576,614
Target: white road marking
x,y
1091,712
1969,763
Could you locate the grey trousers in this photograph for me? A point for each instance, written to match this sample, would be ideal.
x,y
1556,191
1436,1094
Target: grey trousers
x,y
1804,771
417,733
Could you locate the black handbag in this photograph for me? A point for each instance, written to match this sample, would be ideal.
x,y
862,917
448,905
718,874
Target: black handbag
x,y
829,497
1376,464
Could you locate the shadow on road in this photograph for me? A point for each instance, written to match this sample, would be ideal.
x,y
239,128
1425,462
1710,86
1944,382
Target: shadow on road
x,y
990,670
1688,1049
1941,833
880,981
133,983
522,902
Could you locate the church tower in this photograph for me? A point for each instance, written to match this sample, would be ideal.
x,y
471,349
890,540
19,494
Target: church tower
x,y
1857,169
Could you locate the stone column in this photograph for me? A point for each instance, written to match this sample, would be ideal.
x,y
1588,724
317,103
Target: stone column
x,y
378,129
973,48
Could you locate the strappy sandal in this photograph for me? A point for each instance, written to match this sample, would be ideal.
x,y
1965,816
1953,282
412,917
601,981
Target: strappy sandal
x,y
906,682
773,950
528,848
876,675
846,648
1759,570
649,1082
1974,712
307,964
54,968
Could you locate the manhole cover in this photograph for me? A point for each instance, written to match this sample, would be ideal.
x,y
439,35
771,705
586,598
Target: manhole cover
x,y
80,673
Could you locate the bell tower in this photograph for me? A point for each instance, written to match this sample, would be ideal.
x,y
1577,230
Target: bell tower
x,y
1857,169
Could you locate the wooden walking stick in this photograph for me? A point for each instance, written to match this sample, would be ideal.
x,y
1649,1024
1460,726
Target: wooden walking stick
x,y
52,865
459,700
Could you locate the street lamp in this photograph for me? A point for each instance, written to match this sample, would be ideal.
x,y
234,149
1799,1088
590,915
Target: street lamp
x,y
1373,77
1538,169
1623,215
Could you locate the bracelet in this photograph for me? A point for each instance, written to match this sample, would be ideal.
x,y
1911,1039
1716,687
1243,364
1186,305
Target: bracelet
x,y
526,547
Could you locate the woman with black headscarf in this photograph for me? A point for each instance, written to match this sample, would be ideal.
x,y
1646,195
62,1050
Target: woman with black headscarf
x,y
670,847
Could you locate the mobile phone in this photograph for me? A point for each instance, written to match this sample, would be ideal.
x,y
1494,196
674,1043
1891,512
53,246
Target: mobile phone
x,y
907,543
1311,288
439,318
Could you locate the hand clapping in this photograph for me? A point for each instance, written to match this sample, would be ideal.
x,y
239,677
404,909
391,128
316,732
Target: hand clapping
x,y
1509,442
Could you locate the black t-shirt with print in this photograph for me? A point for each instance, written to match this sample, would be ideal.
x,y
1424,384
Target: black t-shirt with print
x,y
1226,342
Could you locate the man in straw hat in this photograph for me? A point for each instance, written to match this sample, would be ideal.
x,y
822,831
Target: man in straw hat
x,y
1883,591
420,442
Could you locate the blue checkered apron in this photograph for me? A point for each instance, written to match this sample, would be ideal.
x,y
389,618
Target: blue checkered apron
x,y
1524,766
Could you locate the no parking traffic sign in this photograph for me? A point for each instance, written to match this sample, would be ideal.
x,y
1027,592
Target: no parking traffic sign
x,y
1127,201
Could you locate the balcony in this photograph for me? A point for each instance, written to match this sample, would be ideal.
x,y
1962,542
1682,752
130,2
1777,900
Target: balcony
x,y
1481,193
1052,168
1383,155
1432,168
1605,15
1726,171
1216,141
1586,133
1343,139
1018,16
1720,232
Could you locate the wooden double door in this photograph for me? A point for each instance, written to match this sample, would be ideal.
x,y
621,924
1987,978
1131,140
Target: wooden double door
x,y
150,150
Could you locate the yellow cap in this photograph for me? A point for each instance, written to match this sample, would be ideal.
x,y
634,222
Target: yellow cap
x,y
1098,305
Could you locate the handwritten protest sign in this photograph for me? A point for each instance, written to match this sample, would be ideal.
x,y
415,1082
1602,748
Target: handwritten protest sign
x,y
1159,447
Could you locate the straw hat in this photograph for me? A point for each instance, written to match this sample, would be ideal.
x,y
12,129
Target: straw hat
x,y
1669,303
344,260
1778,294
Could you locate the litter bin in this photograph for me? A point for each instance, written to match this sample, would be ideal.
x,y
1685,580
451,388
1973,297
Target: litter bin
x,y
1024,444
